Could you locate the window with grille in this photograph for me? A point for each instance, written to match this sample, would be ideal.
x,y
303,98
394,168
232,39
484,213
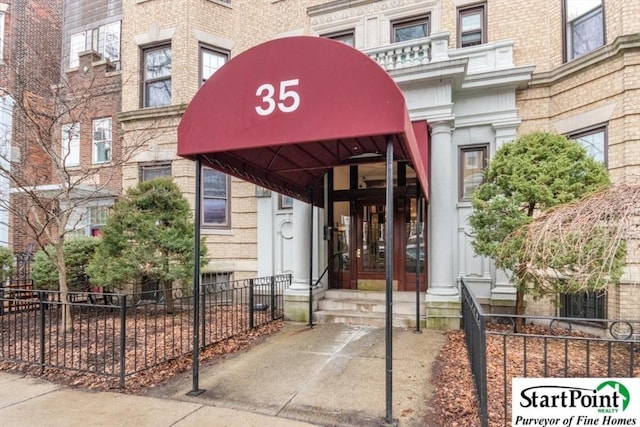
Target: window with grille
x,y
211,60
586,305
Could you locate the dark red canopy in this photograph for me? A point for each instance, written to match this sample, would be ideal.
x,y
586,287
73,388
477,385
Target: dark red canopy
x,y
285,112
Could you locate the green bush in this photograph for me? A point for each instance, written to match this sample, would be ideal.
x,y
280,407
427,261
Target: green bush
x,y
77,253
6,264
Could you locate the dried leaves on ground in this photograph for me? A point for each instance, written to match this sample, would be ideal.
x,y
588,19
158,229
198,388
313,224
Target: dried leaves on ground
x,y
151,377
537,352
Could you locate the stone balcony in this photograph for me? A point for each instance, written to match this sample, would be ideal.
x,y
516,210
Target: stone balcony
x,y
482,58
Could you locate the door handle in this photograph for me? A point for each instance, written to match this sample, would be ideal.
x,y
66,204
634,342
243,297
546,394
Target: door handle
x,y
358,253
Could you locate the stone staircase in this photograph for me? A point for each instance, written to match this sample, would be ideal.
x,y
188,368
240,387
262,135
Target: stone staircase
x,y
366,308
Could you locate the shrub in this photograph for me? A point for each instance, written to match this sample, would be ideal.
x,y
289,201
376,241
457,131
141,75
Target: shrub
x,y
77,253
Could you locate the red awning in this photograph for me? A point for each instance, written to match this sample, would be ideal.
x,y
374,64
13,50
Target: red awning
x,y
285,112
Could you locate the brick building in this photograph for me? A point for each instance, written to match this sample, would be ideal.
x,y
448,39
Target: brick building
x,y
475,74
478,73
91,92
30,50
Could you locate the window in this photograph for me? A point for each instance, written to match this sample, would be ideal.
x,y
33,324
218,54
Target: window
x,y
472,24
76,45
216,281
215,198
410,29
2,36
97,219
101,140
156,76
346,37
285,202
594,141
473,160
149,171
217,286
104,39
71,144
587,305
210,61
584,21
88,221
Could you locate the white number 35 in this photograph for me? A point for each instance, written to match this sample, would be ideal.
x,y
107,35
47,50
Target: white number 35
x,y
288,99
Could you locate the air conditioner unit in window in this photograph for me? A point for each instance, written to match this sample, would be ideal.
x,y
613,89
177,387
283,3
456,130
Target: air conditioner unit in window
x,y
98,135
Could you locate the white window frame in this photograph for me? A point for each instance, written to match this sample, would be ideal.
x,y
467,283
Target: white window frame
x,y
70,145
101,136
77,44
85,220
106,36
208,68
2,19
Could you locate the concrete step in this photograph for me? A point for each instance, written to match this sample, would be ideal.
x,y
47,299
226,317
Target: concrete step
x,y
370,295
350,317
366,308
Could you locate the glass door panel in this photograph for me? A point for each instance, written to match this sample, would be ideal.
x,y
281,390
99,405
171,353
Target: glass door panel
x,y
372,244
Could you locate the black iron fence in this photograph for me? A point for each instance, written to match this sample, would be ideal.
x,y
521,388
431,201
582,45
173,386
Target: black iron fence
x,y
116,335
541,347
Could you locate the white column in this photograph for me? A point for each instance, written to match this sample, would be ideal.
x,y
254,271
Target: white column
x,y
503,288
301,236
442,223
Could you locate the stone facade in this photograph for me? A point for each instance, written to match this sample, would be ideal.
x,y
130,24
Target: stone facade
x,y
516,81
559,95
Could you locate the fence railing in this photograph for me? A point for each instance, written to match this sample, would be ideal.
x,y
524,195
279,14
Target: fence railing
x,y
543,347
116,335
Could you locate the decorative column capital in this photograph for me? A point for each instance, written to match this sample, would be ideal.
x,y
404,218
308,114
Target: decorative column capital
x,y
441,127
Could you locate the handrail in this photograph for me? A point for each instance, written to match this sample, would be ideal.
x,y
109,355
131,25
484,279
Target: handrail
x,y
334,256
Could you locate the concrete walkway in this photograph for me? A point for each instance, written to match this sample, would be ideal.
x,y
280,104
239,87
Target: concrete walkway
x,y
331,375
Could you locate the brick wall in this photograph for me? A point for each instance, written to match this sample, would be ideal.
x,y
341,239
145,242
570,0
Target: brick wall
x,y
30,67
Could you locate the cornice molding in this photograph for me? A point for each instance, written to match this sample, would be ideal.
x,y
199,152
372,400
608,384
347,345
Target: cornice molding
x,y
619,46
152,113
347,9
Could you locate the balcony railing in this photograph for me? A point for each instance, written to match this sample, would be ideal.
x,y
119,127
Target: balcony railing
x,y
481,58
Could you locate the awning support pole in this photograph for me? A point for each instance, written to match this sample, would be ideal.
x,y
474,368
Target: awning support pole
x,y
418,263
388,251
195,362
311,264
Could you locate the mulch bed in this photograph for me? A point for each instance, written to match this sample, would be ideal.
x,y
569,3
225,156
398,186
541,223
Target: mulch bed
x,y
454,402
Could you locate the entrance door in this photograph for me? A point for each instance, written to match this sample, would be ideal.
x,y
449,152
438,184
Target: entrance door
x,y
360,251
370,250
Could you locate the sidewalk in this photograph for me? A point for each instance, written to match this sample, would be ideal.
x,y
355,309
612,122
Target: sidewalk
x,y
331,375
